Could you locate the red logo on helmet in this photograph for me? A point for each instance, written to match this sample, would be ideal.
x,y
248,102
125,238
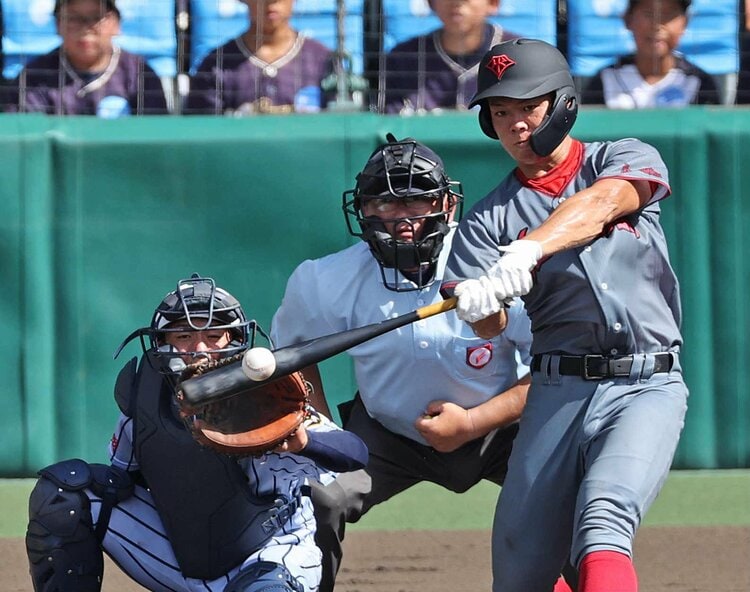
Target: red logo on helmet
x,y
499,64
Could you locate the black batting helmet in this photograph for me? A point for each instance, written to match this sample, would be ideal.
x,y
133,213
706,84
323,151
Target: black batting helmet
x,y
526,69
403,170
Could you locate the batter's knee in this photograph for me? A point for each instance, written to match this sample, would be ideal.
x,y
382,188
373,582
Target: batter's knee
x,y
64,554
264,576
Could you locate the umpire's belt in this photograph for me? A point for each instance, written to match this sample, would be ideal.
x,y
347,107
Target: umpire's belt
x,y
596,367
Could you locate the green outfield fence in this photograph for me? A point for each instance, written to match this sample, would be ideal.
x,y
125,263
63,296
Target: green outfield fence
x,y
100,218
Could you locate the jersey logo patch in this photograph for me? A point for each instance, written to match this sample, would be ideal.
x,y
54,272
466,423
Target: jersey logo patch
x,y
114,442
652,172
479,356
499,64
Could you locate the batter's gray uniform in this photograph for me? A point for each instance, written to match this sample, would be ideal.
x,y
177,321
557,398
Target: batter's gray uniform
x,y
590,455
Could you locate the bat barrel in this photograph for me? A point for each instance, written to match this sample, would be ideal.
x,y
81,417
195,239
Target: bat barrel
x,y
231,380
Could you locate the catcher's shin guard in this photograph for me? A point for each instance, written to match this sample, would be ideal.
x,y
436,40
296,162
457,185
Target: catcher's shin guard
x,y
63,548
264,576
64,553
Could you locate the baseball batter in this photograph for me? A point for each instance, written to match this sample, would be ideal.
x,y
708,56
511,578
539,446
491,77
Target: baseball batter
x,y
172,514
577,228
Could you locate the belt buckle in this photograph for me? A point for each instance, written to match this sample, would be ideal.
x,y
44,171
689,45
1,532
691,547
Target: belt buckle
x,y
586,358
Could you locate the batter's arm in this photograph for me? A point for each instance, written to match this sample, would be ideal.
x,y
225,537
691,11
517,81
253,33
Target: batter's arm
x,y
447,426
490,326
583,217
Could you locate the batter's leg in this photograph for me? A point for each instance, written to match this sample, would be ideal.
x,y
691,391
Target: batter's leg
x,y
532,530
628,461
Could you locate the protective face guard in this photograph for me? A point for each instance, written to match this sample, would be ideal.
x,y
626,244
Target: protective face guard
x,y
414,260
198,304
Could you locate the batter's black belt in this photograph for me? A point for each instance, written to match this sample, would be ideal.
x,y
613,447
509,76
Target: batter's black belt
x,y
596,367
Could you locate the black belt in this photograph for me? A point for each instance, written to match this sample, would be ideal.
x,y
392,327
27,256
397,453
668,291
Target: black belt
x,y
596,367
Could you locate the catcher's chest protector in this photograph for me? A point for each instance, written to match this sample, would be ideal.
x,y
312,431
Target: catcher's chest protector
x,y
204,499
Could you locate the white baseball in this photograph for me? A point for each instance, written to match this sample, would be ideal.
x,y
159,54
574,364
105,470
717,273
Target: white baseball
x,y
258,363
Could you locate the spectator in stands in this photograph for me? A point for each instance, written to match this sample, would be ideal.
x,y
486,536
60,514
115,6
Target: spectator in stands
x,y
439,70
655,75
87,74
271,68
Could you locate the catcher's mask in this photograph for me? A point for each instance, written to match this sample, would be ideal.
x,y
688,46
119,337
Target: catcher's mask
x,y
197,304
409,172
527,69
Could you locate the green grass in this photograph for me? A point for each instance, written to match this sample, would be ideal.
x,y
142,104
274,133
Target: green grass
x,y
689,498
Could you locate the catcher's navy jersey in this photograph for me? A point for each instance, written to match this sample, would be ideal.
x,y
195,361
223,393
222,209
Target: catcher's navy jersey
x,y
400,372
137,539
616,295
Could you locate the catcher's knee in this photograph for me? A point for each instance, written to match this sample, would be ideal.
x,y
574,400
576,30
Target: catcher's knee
x,y
342,500
63,546
264,576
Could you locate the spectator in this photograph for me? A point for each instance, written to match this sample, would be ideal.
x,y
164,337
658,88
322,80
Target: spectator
x,y
271,68
439,70
656,75
87,74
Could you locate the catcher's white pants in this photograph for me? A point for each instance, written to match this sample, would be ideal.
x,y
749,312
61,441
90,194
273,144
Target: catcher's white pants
x,y
137,542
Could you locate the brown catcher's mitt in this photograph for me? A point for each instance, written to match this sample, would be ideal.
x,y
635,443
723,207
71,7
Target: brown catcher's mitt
x,y
248,423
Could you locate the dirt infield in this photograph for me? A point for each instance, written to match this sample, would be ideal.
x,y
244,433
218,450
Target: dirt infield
x,y
668,559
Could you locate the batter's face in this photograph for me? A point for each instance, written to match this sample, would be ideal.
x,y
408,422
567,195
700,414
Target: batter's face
x,y
514,120
657,26
87,29
191,341
403,218
464,16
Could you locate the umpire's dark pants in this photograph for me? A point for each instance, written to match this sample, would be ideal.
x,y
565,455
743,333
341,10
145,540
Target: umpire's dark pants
x,y
395,464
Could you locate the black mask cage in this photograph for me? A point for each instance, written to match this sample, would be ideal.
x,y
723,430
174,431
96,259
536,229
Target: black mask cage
x,y
197,304
403,171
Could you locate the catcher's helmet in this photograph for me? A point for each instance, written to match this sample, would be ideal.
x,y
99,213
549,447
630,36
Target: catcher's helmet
x,y
403,170
526,69
196,304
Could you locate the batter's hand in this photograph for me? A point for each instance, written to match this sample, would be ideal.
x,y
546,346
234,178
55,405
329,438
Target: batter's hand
x,y
476,299
446,426
511,275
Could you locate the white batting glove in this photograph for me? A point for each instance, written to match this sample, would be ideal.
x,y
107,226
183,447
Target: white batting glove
x,y
476,299
511,275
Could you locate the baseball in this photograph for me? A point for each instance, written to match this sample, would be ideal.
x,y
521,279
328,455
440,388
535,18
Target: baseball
x,y
258,363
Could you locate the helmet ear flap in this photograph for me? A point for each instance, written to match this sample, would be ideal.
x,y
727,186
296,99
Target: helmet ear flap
x,y
485,120
560,120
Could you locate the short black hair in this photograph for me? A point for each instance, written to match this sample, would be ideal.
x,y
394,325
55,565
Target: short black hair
x,y
684,3
108,4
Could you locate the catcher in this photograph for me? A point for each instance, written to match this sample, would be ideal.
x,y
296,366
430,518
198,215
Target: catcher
x,y
186,505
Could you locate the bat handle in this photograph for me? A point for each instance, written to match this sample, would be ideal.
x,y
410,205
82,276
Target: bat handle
x,y
436,308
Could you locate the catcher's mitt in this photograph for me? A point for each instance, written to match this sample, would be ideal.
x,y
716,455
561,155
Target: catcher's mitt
x,y
248,423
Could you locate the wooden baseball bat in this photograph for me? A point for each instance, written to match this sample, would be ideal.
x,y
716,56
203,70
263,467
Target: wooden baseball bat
x,y
230,380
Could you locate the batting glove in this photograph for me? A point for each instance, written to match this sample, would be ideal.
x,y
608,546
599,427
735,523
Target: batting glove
x,y
476,299
511,275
